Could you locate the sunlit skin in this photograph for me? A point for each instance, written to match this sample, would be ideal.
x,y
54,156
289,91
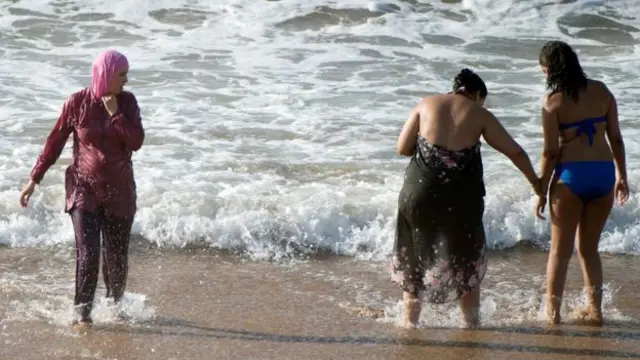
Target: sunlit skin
x,y
118,82
577,224
117,85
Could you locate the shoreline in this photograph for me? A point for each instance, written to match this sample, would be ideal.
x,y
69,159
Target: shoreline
x,y
192,305
139,245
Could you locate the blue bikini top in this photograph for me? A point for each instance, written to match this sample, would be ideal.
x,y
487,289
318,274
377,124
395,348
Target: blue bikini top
x,y
586,126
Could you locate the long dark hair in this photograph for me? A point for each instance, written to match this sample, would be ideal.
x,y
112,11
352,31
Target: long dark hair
x,y
469,82
565,75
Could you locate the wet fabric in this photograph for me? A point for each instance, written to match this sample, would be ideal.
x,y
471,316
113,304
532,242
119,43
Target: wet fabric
x,y
88,226
101,174
440,246
589,180
585,127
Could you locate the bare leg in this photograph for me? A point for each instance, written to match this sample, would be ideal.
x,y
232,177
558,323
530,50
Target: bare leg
x,y
566,210
470,307
412,309
594,216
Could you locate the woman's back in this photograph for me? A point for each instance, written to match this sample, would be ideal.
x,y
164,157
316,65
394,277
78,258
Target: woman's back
x,y
451,121
581,172
443,184
583,123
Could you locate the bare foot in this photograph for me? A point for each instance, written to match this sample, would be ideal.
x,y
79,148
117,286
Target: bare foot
x,y
364,311
81,326
471,318
553,317
412,308
589,315
471,325
592,313
470,308
553,309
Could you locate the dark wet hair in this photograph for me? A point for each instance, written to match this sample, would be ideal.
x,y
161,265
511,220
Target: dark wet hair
x,y
565,74
470,82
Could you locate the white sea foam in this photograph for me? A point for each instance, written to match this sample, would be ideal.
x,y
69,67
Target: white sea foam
x,y
271,125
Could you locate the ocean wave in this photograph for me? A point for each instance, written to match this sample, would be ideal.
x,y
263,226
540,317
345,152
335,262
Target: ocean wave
x,y
271,125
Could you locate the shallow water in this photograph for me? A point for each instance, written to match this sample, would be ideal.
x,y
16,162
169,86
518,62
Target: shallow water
x,y
271,130
191,304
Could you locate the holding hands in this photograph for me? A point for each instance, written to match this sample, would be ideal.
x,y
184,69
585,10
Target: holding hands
x,y
621,192
542,199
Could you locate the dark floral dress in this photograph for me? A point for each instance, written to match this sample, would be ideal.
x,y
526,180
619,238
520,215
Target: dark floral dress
x,y
440,245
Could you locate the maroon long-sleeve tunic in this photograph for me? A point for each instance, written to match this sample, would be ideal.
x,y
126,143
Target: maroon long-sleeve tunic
x,y
101,175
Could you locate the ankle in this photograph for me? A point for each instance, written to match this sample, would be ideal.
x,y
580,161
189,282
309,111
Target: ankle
x,y
554,303
412,309
593,294
84,321
471,317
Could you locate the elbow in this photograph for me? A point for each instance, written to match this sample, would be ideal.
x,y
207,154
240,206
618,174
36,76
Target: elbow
x,y
405,148
135,146
518,154
137,143
403,151
617,142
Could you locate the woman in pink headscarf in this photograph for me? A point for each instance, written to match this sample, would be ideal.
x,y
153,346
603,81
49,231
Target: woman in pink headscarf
x,y
100,188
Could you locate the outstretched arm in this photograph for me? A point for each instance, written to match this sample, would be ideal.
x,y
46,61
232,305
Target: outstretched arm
x,y
499,138
55,142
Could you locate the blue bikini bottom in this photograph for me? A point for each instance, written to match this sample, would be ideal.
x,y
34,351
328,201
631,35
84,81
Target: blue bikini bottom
x,y
589,180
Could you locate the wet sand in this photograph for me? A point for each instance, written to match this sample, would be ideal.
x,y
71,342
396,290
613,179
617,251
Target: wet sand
x,y
206,305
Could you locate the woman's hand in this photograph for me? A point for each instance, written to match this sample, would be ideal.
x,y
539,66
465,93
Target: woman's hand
x,y
537,188
110,103
542,203
26,193
622,191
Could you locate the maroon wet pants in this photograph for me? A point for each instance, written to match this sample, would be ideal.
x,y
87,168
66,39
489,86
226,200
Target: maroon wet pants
x,y
115,237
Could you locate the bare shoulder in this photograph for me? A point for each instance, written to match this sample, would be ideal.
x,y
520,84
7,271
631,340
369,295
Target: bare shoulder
x,y
600,87
597,84
431,100
426,103
483,115
553,102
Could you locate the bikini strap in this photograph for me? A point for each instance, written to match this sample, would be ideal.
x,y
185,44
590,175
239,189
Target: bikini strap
x,y
586,126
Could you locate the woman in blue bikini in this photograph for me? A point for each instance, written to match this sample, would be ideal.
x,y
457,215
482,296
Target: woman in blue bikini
x,y
587,173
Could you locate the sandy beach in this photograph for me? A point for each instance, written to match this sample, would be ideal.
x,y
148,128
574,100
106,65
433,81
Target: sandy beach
x,y
271,129
201,304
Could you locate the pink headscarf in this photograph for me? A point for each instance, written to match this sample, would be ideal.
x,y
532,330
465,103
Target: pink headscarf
x,y
104,69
